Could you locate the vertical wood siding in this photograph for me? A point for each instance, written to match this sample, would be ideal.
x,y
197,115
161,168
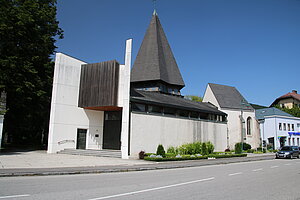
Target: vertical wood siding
x,y
99,84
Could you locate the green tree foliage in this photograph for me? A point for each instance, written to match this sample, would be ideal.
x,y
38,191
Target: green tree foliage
x,y
194,98
295,111
28,32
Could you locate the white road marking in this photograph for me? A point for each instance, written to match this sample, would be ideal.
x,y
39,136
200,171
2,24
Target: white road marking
x,y
153,189
238,173
274,166
255,170
14,196
288,164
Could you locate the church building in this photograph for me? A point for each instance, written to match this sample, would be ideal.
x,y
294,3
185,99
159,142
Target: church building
x,y
108,106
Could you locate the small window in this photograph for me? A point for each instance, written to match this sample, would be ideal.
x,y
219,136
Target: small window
x,y
293,128
138,107
194,115
154,109
183,113
284,126
289,127
203,116
169,111
280,126
297,141
293,141
289,141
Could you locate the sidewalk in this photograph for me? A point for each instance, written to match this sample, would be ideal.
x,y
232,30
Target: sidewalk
x,y
40,163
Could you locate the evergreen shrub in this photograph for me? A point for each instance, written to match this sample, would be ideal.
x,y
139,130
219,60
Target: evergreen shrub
x,y
238,148
161,151
204,149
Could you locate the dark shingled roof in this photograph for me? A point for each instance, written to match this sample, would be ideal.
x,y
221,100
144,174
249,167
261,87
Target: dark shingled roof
x,y
157,98
155,60
229,97
262,113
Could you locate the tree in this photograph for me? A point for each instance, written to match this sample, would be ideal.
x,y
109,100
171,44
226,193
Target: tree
x,y
194,98
27,40
295,110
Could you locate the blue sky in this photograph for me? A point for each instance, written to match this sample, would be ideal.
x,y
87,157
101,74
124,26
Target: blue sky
x,y
253,45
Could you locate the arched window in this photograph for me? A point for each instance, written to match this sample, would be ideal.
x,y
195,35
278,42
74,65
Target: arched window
x,y
249,125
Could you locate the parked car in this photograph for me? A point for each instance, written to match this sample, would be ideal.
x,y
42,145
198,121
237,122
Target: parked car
x,y
288,152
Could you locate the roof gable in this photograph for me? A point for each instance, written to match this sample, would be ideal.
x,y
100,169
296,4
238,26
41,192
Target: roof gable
x,y
229,97
293,95
155,60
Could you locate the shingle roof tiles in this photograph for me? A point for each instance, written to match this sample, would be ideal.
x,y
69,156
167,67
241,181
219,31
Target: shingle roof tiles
x,y
168,100
229,97
155,60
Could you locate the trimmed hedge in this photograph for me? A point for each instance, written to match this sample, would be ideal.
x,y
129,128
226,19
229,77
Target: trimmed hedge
x,y
194,158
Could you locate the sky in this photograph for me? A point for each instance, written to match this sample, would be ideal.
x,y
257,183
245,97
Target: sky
x,y
253,45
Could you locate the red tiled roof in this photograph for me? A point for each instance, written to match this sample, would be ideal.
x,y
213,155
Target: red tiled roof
x,y
290,95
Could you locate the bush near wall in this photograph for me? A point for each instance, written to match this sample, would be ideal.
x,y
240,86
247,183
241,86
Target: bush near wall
x,y
188,157
192,148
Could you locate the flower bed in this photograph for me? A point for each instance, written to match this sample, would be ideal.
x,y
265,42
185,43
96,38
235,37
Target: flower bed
x,y
153,157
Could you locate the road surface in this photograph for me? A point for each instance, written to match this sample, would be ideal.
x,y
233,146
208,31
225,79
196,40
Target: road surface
x,y
270,179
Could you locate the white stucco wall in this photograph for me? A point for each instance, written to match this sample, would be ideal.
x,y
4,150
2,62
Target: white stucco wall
x,y
210,97
148,131
270,128
235,128
65,116
234,123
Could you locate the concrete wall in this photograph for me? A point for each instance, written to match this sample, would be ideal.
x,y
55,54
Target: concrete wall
x,y
1,128
148,131
65,116
270,128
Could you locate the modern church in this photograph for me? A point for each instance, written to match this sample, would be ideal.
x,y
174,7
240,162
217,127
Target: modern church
x,y
107,106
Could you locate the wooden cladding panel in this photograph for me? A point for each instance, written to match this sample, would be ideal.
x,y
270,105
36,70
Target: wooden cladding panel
x,y
99,84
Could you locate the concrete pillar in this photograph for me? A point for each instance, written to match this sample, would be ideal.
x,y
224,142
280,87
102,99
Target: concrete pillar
x,y
126,98
1,128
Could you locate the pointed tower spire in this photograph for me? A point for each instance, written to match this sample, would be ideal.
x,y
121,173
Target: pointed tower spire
x,y
155,61
154,12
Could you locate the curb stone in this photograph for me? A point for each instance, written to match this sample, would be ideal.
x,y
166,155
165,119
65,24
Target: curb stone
x,y
120,168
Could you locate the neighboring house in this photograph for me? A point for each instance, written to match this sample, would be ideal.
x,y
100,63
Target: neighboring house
x,y
242,124
104,106
278,128
288,100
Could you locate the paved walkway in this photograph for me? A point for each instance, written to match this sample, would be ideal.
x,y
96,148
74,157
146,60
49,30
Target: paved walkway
x,y
41,163
41,159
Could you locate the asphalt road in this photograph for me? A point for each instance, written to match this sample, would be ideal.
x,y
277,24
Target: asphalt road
x,y
270,179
